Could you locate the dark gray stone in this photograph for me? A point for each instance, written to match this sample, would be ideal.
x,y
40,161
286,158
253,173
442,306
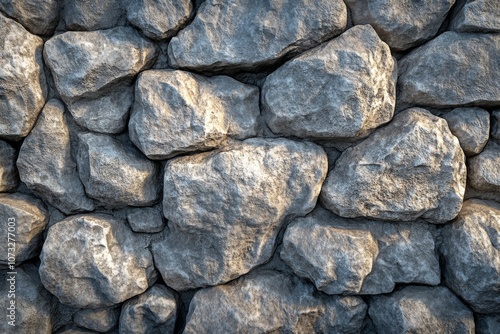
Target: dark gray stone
x,y
93,14
99,320
146,220
9,178
487,323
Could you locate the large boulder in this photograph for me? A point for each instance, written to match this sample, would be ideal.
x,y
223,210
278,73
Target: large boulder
x,y
271,302
93,14
225,208
484,173
342,89
23,88
38,17
412,168
92,261
179,112
9,178
476,16
243,35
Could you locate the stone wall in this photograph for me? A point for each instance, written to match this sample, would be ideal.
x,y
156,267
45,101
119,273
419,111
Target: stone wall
x,y
237,166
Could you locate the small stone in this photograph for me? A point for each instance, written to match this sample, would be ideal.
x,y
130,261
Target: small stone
x,y
154,311
271,302
93,14
146,220
99,320
495,124
471,126
487,323
484,173
9,178
421,309
116,174
412,168
342,89
38,17
476,16
94,261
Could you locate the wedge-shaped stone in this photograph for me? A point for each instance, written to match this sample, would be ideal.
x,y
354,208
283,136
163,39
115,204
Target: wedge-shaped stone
x,y
9,178
476,16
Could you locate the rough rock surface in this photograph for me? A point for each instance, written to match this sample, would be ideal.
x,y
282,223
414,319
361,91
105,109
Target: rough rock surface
x,y
484,173
495,124
154,311
343,89
149,16
9,178
100,320
28,216
93,14
412,168
231,204
471,126
270,302
146,220
441,73
237,40
46,165
115,173
420,309
359,256
471,253
38,17
402,25
476,16
22,80
178,112
487,323
92,261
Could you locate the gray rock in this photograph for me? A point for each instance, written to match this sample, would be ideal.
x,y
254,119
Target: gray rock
x,y
441,73
495,124
402,25
476,16
115,173
343,89
271,302
159,19
237,40
93,261
225,208
420,309
24,217
471,126
146,220
93,14
152,312
178,112
412,168
471,254
38,17
22,80
46,165
358,256
484,173
99,320
487,323
9,178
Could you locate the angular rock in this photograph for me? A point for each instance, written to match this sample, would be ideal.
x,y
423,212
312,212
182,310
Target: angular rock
x,y
476,16
159,19
178,112
9,178
93,14
420,309
154,311
441,73
402,25
487,323
471,252
484,173
495,124
100,320
471,126
24,217
38,17
93,261
342,89
236,40
271,302
22,80
412,168
359,256
225,208
46,165
146,220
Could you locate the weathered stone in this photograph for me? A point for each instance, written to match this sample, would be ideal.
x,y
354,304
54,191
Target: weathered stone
x,y
178,112
359,256
342,89
9,178
487,323
93,14
476,16
495,124
38,17
159,19
146,220
92,261
412,168
471,252
441,73
227,36
402,25
100,320
22,80
471,126
115,173
225,208
24,217
154,311
271,302
420,309
46,165
484,172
